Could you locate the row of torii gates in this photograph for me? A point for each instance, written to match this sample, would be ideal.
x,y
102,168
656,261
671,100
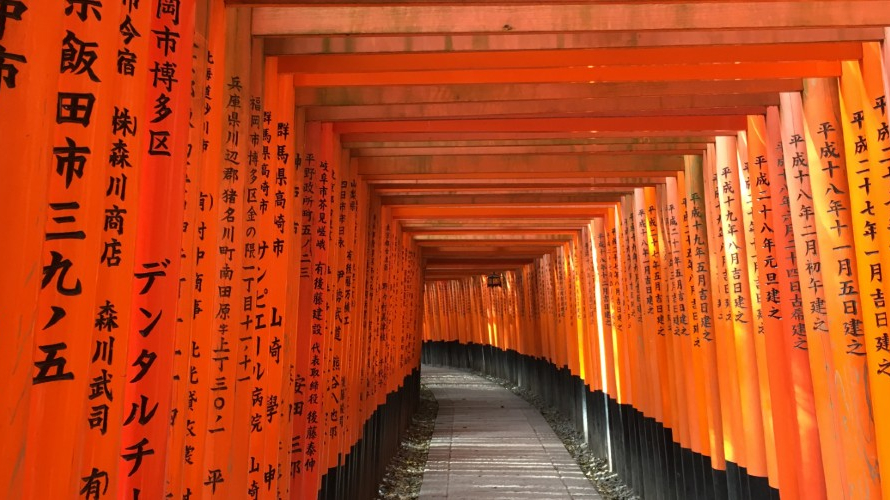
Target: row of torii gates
x,y
234,226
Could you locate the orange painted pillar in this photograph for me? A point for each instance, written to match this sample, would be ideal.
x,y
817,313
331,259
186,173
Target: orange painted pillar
x,y
155,285
728,378
206,303
27,138
831,205
602,292
634,309
619,303
225,259
739,295
316,191
810,475
239,86
701,295
99,425
783,414
807,256
341,375
875,74
681,346
332,343
751,267
684,361
282,270
861,126
648,361
608,301
73,201
182,419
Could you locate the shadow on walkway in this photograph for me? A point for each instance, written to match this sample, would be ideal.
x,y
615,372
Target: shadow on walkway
x,y
491,444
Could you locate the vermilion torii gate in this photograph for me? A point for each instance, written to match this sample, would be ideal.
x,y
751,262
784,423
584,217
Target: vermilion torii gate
x,y
232,225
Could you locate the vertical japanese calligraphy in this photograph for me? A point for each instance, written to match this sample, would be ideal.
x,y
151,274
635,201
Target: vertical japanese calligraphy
x,y
831,206
155,285
861,127
29,72
62,335
113,311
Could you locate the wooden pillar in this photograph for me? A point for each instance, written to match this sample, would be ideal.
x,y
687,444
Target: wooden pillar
x,y
834,236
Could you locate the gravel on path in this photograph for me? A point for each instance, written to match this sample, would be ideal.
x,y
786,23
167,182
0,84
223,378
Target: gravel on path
x,y
404,475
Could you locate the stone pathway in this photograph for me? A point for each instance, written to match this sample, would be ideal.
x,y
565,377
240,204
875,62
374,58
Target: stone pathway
x,y
490,444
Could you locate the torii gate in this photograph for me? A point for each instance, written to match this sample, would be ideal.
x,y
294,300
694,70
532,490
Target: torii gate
x,y
233,224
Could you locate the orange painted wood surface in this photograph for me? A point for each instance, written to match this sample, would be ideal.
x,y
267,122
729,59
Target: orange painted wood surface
x,y
548,18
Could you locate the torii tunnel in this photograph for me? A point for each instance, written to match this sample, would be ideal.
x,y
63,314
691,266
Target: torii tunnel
x,y
236,228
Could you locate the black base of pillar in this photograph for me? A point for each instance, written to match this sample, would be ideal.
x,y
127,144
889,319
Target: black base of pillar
x,y
359,472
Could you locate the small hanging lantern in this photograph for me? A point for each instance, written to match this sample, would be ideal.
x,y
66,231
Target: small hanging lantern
x,y
494,280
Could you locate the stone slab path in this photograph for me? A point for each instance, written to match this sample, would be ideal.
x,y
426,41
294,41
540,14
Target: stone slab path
x,y
490,444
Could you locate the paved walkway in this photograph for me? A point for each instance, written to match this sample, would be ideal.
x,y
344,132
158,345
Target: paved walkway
x,y
491,444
